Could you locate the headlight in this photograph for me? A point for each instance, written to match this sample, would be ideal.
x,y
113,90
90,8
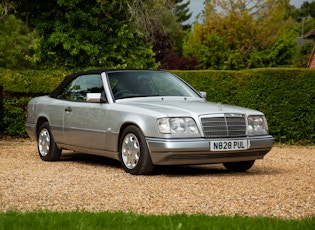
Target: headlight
x,y
177,125
257,125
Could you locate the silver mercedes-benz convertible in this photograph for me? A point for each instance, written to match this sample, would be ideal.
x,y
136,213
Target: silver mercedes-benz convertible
x,y
145,118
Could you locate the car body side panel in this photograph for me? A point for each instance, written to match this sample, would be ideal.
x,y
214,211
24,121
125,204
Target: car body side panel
x,y
120,114
84,124
47,108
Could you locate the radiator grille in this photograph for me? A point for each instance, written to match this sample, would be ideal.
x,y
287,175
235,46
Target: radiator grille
x,y
228,125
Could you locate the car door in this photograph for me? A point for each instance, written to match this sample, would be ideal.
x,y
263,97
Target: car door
x,y
84,122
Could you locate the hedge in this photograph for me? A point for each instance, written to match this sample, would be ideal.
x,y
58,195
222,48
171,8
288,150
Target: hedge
x,y
18,88
30,81
286,96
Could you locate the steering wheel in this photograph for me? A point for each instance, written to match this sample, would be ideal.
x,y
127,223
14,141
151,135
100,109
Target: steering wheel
x,y
121,92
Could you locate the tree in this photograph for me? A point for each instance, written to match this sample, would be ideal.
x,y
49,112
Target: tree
x,y
239,27
149,16
302,55
160,21
86,33
307,10
280,53
100,33
157,20
18,45
181,11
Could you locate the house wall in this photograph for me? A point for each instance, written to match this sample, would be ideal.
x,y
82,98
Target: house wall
x,y
311,62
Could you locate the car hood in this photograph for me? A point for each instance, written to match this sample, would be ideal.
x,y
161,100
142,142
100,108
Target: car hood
x,y
182,106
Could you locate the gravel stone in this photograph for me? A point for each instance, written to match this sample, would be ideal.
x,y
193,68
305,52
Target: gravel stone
x,y
281,185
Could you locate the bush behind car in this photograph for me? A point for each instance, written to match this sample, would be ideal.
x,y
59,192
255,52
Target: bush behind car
x,y
286,96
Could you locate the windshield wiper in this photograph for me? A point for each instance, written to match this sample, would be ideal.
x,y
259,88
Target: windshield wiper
x,y
133,96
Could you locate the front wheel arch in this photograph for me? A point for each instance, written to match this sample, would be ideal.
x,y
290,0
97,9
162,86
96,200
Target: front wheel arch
x,y
133,151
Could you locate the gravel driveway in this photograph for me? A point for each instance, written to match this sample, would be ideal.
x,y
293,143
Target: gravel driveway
x,y
282,185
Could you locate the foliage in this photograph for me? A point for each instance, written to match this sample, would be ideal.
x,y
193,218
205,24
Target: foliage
x,y
18,45
129,220
81,33
168,54
170,60
167,43
160,22
18,88
14,116
307,9
301,28
31,81
304,26
148,16
234,34
286,96
182,13
230,35
280,53
302,54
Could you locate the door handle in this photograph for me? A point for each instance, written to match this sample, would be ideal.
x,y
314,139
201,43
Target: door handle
x,y
68,109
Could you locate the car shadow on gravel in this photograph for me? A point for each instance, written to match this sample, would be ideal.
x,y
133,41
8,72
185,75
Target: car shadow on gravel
x,y
94,160
211,169
169,170
190,170
172,170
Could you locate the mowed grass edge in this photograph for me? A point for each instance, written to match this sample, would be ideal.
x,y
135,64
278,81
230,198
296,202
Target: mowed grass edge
x,y
120,220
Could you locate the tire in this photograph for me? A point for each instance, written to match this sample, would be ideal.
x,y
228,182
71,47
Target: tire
x,y
241,166
47,148
134,153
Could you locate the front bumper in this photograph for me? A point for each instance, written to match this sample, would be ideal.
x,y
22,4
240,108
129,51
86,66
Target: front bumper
x,y
30,128
197,151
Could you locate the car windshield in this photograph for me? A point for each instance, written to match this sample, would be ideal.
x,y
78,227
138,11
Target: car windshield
x,y
148,84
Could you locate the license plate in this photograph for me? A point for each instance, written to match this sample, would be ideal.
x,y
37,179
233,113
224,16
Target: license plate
x,y
229,145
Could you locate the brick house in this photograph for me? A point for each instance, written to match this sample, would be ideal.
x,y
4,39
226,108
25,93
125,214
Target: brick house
x,y
311,61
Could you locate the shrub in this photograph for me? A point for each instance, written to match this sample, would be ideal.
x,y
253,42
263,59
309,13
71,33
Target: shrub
x,y
15,115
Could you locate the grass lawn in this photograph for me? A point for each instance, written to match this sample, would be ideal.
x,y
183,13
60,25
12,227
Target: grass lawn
x,y
119,220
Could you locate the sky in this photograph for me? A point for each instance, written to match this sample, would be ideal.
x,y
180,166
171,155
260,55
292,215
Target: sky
x,y
196,6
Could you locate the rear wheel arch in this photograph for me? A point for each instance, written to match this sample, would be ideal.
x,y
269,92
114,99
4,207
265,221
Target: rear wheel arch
x,y
39,123
47,148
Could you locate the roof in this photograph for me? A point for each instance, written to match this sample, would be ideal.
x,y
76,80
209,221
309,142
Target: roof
x,y
69,78
301,41
310,34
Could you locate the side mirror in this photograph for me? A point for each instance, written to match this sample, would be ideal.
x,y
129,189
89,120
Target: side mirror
x,y
203,94
93,97
96,97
